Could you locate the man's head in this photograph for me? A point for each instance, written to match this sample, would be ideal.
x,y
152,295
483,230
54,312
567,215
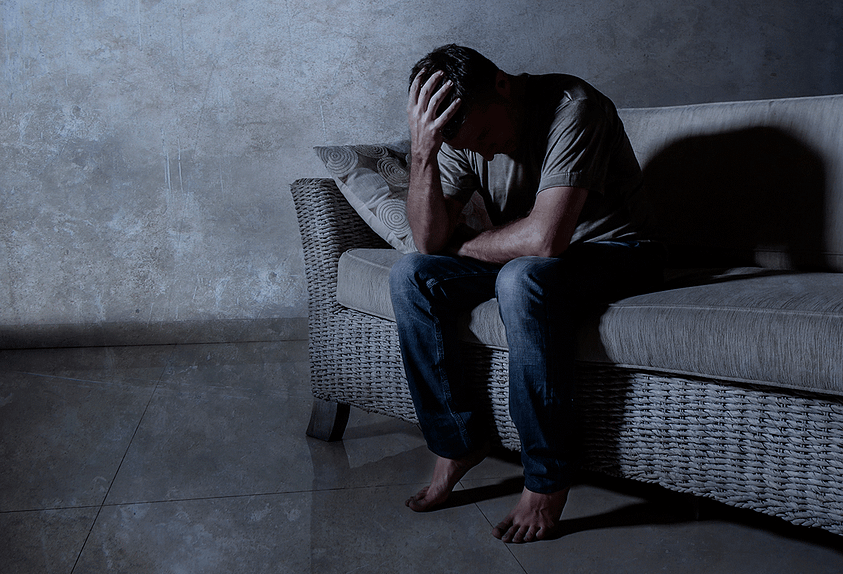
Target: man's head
x,y
473,75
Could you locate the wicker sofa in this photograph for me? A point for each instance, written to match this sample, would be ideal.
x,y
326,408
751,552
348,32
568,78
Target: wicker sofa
x,y
726,384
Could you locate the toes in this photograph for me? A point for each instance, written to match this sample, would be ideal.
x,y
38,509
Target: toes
x,y
514,534
523,534
501,530
533,534
505,531
417,501
509,532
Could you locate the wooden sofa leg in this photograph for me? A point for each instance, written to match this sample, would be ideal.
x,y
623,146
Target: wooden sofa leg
x,y
328,420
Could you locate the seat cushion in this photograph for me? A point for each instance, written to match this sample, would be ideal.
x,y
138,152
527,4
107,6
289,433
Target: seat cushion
x,y
784,328
750,325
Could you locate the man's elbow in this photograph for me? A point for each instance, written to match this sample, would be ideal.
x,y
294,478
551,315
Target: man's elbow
x,y
549,247
550,252
426,246
425,250
432,242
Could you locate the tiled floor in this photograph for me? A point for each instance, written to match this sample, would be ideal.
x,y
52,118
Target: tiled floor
x,y
193,459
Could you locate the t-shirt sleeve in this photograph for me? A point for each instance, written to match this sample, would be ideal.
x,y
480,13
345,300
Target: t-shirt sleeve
x,y
459,181
580,143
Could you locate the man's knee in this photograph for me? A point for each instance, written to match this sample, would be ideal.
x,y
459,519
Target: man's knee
x,y
525,277
406,271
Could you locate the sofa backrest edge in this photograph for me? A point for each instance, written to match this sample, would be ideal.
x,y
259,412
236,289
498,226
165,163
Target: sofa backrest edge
x,y
759,180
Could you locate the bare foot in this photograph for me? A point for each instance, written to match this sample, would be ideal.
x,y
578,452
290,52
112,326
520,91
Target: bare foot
x,y
446,474
533,518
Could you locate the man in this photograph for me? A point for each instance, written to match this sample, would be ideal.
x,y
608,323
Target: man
x,y
555,168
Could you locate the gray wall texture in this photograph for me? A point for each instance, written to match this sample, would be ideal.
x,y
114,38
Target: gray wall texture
x,y
147,146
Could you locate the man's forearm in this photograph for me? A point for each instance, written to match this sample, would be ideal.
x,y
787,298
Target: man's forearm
x,y
503,244
545,232
427,208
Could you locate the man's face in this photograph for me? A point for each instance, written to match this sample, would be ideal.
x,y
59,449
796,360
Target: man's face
x,y
488,131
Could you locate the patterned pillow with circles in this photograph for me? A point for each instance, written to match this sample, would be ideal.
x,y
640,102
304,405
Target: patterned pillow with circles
x,y
375,180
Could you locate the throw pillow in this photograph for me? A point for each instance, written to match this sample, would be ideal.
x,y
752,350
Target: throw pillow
x,y
375,180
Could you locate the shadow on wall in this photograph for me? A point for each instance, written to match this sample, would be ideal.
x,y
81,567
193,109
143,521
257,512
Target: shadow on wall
x,y
749,197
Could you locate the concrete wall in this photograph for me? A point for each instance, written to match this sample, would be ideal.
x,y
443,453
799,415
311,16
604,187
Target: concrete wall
x,y
147,146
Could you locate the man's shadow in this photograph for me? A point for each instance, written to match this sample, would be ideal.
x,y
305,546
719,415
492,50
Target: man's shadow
x,y
644,513
656,506
739,198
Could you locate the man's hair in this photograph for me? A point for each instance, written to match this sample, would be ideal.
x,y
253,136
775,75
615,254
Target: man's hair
x,y
472,74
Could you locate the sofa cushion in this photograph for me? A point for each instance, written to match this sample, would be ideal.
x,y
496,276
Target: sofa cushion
x,y
751,325
785,328
363,281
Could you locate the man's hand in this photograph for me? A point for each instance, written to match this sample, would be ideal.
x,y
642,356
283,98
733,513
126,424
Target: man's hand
x,y
432,216
422,105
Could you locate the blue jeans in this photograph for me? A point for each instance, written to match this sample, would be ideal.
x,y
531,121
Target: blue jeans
x,y
540,301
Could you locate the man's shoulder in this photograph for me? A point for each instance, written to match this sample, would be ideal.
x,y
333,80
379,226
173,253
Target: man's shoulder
x,y
560,87
567,98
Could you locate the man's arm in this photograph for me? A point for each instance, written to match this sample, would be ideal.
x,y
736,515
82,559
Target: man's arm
x,y
432,215
545,232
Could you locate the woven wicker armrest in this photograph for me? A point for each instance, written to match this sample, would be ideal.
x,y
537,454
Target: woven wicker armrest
x,y
329,227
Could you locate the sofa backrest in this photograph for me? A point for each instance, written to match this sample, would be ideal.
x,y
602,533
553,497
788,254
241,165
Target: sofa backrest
x,y
745,182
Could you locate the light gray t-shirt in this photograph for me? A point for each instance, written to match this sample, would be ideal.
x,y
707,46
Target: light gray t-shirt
x,y
572,137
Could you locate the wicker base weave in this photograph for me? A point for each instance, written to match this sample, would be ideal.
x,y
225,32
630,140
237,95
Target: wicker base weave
x,y
777,452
